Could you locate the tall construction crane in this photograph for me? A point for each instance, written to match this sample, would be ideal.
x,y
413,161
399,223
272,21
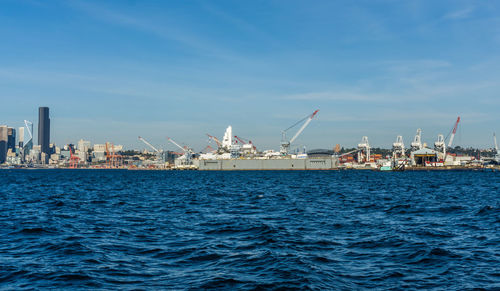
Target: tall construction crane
x,y
158,153
453,132
285,144
188,152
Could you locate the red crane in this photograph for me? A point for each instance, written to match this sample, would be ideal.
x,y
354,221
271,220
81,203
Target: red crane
x,y
217,141
73,160
207,149
454,131
242,141
113,160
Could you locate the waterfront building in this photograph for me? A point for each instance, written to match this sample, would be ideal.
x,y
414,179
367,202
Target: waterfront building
x,y
21,138
44,132
99,148
3,143
84,145
83,149
11,139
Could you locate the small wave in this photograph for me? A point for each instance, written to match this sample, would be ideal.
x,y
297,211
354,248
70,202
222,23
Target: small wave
x,y
73,277
35,230
222,283
433,256
486,210
399,209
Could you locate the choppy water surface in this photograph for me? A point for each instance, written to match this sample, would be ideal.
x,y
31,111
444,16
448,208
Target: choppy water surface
x,y
244,230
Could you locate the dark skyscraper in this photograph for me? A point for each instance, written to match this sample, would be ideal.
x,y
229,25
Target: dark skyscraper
x,y
11,139
44,130
3,143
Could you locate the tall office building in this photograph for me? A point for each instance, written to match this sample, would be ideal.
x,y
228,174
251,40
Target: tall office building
x,y
21,138
3,143
44,131
11,139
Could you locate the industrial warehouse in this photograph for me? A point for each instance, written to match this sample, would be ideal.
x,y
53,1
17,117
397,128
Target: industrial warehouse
x,y
232,152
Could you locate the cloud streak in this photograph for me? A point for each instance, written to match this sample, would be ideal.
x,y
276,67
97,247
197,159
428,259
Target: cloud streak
x,y
459,14
168,31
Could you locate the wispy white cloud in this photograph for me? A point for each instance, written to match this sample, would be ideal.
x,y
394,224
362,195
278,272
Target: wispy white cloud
x,y
168,30
341,95
460,14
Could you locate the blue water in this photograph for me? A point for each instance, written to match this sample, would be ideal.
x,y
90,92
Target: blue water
x,y
107,229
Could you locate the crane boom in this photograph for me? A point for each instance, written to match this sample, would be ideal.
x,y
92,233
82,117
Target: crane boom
x,y
285,144
217,141
453,133
147,143
172,141
239,139
303,126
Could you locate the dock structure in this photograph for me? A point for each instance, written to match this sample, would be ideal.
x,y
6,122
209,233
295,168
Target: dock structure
x,y
269,164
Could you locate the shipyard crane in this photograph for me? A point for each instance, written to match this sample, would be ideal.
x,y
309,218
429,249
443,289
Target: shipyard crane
x,y
113,160
188,153
148,144
285,144
364,146
207,149
158,153
417,141
398,148
453,132
217,141
243,142
450,142
440,145
73,160
348,153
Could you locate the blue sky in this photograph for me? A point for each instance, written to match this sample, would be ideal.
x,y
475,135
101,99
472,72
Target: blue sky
x,y
114,70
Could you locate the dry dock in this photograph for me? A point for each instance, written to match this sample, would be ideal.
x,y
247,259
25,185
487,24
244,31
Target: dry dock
x,y
269,164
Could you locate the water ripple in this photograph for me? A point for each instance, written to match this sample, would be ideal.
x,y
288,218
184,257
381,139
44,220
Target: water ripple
x,y
93,229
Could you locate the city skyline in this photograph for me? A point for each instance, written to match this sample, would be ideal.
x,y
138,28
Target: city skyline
x,y
116,70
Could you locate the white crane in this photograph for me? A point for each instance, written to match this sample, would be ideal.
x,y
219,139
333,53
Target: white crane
x,y
417,141
285,145
364,146
440,145
398,148
148,144
188,153
159,153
